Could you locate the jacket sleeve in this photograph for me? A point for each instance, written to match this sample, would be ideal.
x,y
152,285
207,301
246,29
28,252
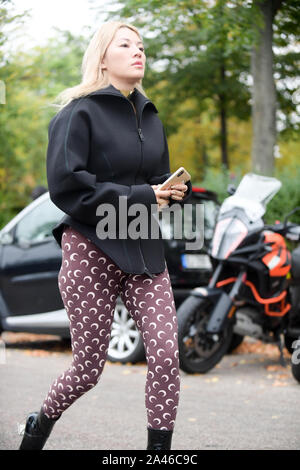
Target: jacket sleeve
x,y
163,173
72,187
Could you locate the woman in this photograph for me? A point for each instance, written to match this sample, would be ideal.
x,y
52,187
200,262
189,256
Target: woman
x,y
105,144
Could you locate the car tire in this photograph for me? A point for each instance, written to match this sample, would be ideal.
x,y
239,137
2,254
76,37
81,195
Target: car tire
x,y
126,343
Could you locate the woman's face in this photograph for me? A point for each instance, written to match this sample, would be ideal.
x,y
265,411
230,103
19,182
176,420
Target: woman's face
x,y
125,59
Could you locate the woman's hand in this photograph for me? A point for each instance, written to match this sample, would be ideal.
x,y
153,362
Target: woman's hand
x,y
162,196
176,192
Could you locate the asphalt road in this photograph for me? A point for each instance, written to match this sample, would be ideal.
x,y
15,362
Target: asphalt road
x,y
248,401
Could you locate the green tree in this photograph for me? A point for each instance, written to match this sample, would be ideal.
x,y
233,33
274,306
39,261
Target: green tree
x,y
203,49
263,66
203,55
8,22
33,79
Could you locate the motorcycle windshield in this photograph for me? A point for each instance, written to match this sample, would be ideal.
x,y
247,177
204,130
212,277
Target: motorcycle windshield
x,y
229,233
252,195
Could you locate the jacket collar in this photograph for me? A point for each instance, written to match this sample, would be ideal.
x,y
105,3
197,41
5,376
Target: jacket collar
x,y
139,100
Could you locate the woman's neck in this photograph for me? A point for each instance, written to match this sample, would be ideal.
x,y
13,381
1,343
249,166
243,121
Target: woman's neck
x,y
123,87
126,92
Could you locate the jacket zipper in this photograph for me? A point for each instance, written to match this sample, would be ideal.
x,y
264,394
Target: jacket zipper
x,y
141,137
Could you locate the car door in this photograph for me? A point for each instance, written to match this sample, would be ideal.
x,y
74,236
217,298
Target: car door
x,y
29,269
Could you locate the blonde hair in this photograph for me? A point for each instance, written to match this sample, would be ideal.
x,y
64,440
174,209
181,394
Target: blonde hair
x,y
93,76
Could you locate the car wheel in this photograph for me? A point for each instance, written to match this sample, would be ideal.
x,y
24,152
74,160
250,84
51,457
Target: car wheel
x,y
126,343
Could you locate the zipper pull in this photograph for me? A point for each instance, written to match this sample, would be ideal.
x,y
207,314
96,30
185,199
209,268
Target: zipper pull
x,y
148,272
140,134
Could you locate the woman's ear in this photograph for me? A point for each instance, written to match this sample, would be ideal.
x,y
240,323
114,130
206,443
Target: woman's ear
x,y
102,64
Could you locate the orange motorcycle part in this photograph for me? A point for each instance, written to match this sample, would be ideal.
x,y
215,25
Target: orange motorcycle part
x,y
278,261
280,299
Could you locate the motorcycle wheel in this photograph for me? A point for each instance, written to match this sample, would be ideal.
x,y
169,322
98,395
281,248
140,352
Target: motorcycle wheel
x,y
198,352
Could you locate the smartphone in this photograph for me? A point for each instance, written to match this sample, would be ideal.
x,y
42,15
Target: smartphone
x,y
179,176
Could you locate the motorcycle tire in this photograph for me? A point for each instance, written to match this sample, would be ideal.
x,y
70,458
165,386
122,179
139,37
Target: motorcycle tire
x,y
198,352
235,342
288,342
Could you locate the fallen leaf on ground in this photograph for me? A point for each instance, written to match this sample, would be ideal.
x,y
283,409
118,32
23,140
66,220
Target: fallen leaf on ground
x,y
279,383
212,379
275,367
258,347
282,376
37,352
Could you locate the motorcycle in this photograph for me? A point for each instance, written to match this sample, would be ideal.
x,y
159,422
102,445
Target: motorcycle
x,y
253,291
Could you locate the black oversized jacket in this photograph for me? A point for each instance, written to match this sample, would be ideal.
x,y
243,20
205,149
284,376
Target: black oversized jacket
x,y
100,149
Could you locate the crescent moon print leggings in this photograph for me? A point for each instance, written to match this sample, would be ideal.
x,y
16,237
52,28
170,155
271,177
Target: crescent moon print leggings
x,y
89,283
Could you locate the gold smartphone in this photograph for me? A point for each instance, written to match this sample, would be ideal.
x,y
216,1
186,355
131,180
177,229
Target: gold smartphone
x,y
179,176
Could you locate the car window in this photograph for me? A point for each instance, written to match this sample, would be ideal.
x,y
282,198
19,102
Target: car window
x,y
37,225
210,216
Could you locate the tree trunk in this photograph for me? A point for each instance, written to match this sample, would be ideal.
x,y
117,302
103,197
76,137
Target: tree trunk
x,y
201,162
223,123
263,94
224,148
205,160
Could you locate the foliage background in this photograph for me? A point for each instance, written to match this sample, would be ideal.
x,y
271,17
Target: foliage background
x,y
184,81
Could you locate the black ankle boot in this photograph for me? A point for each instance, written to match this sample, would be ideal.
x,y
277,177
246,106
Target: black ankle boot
x,y
159,439
37,430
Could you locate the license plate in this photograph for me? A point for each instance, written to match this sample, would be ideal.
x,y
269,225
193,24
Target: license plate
x,y
191,261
